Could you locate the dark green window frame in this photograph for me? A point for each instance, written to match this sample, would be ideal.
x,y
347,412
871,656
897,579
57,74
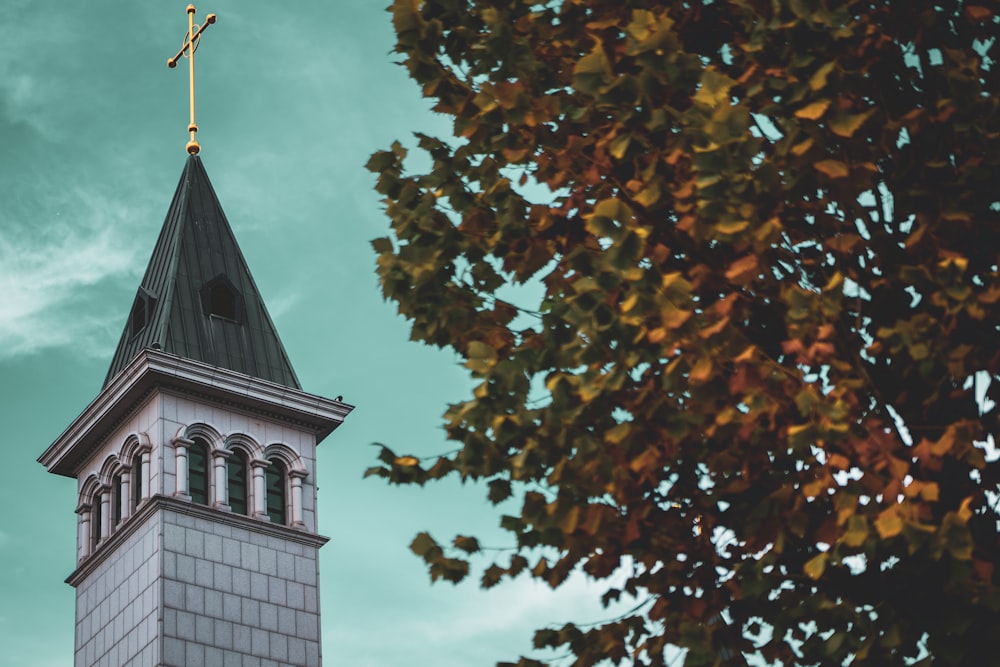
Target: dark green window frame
x,y
238,482
198,470
275,478
95,520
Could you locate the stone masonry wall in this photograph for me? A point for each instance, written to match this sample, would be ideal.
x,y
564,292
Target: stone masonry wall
x,y
117,604
234,597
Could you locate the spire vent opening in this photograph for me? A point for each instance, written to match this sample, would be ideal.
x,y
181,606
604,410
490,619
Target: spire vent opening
x,y
220,298
142,311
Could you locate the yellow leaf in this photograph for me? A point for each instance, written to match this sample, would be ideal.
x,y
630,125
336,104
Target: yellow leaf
x,y
648,459
839,462
619,145
800,148
964,513
857,531
732,226
629,302
656,335
813,111
714,88
649,196
406,461
847,125
743,268
818,80
814,488
832,168
888,524
617,433
702,370
814,566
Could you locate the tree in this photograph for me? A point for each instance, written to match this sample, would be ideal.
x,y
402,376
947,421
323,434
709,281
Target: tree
x,y
760,376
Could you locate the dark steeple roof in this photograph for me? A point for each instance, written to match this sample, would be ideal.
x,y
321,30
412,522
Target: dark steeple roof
x,y
198,299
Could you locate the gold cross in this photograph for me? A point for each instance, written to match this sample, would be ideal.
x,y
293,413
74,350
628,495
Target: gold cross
x,y
191,41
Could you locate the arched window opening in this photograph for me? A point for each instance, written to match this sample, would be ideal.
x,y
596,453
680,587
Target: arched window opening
x,y
275,479
116,501
236,468
137,482
95,521
198,470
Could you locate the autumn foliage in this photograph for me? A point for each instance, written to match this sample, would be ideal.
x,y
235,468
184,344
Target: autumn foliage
x,y
752,366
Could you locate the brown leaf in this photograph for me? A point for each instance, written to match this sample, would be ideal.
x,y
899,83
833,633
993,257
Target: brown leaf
x,y
832,168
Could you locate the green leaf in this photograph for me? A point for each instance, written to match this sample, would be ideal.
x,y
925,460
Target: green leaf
x,y
592,72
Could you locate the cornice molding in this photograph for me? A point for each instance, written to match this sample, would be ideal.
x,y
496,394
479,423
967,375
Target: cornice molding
x,y
156,371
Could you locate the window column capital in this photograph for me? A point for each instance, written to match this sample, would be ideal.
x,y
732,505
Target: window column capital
x,y
261,464
222,453
298,474
180,442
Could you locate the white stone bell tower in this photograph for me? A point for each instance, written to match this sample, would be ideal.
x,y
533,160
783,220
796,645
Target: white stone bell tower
x,y
195,469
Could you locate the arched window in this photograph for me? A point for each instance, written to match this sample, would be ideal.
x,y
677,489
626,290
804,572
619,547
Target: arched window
x,y
95,521
116,501
198,470
236,468
136,481
275,478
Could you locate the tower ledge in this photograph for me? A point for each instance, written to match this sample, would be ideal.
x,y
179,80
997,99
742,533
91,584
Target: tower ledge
x,y
227,520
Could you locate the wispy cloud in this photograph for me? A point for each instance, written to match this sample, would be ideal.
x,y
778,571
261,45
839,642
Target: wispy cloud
x,y
50,275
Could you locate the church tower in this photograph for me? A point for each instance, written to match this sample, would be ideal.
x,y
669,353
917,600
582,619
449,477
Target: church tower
x,y
195,465
195,468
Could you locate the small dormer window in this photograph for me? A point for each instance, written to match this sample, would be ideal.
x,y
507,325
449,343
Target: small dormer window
x,y
142,310
220,298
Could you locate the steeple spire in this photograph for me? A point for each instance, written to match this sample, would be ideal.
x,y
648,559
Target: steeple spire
x,y
198,299
191,41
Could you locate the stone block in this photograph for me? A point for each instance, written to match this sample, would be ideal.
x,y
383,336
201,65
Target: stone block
x,y
260,643
185,625
268,616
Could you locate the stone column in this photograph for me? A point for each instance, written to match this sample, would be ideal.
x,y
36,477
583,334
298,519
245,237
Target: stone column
x,y
297,477
144,481
105,495
181,469
258,466
219,457
83,531
125,498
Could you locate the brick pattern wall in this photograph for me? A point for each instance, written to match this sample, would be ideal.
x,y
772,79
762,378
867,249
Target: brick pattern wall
x,y
117,604
237,598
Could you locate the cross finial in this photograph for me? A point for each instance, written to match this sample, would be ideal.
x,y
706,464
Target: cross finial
x,y
190,45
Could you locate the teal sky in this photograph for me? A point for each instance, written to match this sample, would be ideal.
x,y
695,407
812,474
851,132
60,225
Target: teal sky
x,y
292,99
